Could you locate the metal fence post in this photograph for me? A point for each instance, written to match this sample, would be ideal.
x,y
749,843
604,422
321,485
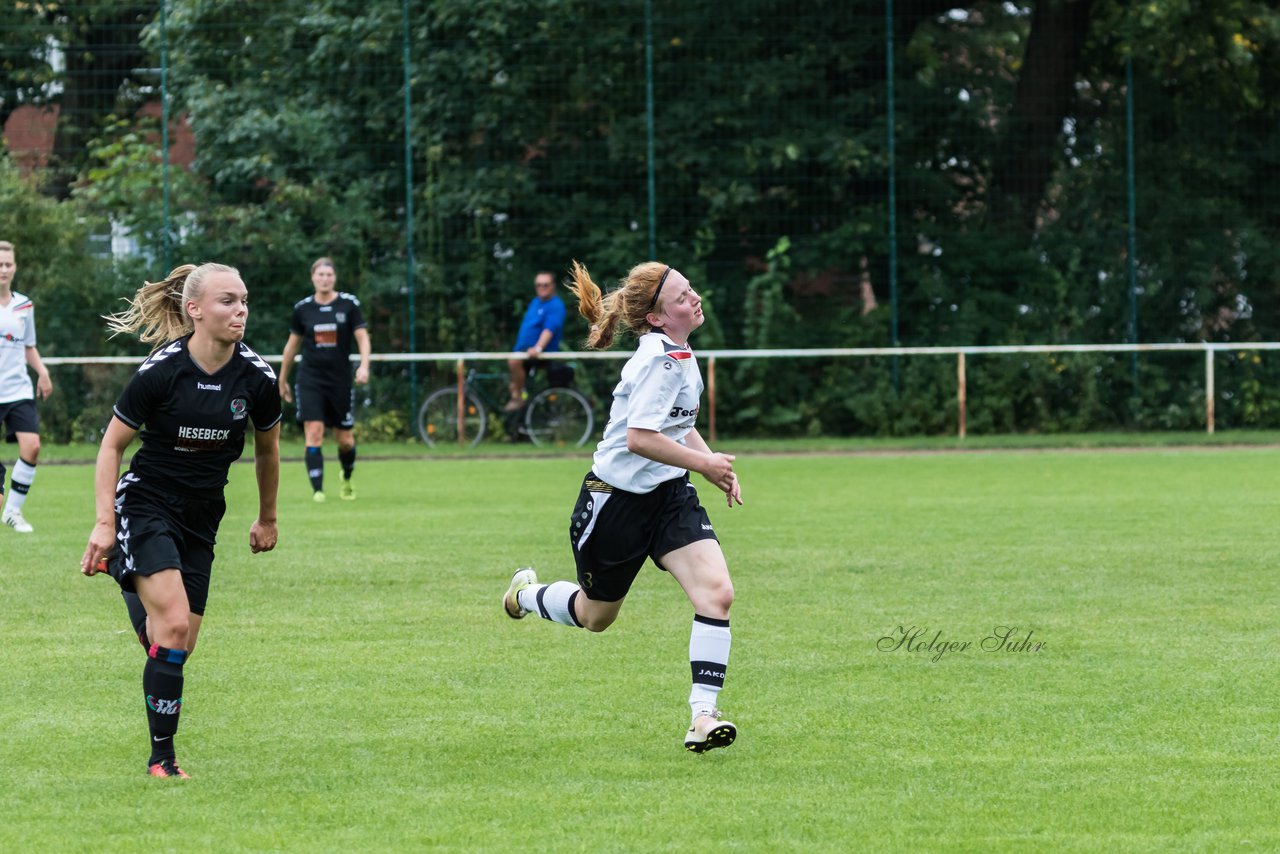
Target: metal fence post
x,y
1131,192
648,121
1208,390
892,201
165,231
409,262
711,398
462,403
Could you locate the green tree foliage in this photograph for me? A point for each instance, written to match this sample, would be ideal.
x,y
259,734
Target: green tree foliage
x,y
25,70
57,270
295,109
83,58
55,267
1207,131
529,141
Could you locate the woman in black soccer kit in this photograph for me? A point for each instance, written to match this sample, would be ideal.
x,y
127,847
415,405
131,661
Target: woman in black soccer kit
x,y
637,501
323,328
193,399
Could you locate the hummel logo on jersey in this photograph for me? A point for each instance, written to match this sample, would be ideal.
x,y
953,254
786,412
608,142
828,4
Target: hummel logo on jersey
x,y
257,361
159,356
209,386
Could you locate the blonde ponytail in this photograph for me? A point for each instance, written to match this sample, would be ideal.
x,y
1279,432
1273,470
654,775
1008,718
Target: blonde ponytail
x,y
158,311
629,303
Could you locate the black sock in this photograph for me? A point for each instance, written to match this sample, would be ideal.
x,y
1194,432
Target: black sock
x,y
348,460
162,686
137,617
315,468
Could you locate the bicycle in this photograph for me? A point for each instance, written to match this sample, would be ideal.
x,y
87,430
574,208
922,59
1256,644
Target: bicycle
x,y
556,416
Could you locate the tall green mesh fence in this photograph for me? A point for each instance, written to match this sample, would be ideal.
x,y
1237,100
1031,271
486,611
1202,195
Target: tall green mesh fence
x,y
1062,172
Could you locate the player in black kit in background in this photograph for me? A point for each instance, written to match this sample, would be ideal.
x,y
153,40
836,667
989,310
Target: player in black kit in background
x,y
193,399
323,327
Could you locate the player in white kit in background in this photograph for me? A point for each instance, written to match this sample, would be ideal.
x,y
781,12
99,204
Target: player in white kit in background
x,y
19,420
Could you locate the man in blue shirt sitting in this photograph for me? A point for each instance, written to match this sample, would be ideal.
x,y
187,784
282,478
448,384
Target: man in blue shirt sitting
x,y
540,333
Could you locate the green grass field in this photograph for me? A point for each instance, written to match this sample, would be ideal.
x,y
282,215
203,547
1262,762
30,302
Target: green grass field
x,y
358,689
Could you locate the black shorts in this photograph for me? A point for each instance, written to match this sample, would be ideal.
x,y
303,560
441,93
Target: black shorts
x,y
19,416
334,405
157,530
612,531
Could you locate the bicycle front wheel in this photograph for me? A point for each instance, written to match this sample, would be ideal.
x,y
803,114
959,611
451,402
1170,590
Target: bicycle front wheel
x,y
560,417
438,418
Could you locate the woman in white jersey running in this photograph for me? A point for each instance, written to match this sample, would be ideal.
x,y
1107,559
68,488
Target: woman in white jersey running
x,y
637,502
19,421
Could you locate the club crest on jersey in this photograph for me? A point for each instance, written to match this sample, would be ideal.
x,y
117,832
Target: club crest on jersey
x,y
341,317
239,407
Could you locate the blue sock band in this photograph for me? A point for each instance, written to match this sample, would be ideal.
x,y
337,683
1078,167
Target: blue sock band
x,y
315,468
163,653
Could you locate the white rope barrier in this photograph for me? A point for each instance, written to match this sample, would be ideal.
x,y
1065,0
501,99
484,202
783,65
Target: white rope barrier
x,y
711,356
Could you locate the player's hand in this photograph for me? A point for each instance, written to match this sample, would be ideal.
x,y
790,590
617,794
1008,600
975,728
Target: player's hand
x,y
263,536
362,375
719,470
734,494
44,387
101,539
286,393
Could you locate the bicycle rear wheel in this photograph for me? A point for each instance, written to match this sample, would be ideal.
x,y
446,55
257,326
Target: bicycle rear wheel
x,y
438,418
559,417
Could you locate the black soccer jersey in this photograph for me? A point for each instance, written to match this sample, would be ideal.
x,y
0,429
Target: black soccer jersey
x,y
193,423
327,333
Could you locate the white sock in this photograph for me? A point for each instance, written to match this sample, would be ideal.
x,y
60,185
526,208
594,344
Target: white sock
x,y
23,474
528,598
552,602
708,658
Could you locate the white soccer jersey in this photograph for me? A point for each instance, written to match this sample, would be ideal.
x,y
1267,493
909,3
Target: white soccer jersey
x,y
660,389
17,333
